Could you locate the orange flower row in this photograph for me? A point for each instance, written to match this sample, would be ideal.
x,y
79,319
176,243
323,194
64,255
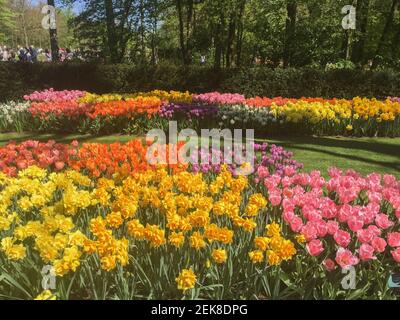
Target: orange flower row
x,y
122,159
142,105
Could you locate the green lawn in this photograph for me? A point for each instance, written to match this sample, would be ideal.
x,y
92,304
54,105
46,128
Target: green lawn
x,y
362,154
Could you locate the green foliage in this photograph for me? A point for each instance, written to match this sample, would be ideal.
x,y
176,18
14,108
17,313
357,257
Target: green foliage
x,y
19,79
6,20
234,33
342,64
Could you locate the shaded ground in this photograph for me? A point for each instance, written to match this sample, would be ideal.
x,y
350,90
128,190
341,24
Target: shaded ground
x,y
362,154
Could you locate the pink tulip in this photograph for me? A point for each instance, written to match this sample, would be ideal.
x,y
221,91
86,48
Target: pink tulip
x,y
366,252
355,224
315,248
59,165
365,236
333,227
396,255
296,224
345,258
379,244
394,239
309,231
342,238
383,222
329,265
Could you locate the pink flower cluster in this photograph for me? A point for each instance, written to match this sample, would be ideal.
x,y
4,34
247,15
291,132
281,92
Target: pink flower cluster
x,y
219,98
350,217
52,155
68,109
51,95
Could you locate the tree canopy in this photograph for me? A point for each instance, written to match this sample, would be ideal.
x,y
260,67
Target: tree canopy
x,y
234,33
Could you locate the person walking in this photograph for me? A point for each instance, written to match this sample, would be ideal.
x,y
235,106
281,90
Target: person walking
x,y
34,54
47,54
22,55
5,55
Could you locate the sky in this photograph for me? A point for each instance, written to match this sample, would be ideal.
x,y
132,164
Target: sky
x,y
77,7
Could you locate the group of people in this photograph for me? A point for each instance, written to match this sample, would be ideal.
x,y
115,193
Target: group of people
x,y
33,55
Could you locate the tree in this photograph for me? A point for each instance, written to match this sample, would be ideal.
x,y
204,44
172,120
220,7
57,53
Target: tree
x,y
290,31
235,33
105,27
53,38
385,33
6,20
185,28
111,30
362,23
219,35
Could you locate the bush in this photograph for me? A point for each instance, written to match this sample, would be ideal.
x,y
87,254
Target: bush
x,y
17,79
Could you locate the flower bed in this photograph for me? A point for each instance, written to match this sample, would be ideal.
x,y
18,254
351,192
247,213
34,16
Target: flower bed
x,y
136,113
102,214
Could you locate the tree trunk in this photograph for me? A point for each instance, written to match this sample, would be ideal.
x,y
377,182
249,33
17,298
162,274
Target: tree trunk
x,y
189,26
290,31
239,42
153,43
219,41
142,30
23,22
154,57
362,23
239,33
218,49
230,39
181,32
395,43
386,30
123,35
53,39
111,34
350,34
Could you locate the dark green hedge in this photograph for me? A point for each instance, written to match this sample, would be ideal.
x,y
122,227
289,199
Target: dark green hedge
x,y
17,79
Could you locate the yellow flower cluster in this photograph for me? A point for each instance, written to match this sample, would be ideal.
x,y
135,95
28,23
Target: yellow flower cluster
x,y
12,250
171,96
46,295
54,234
219,255
276,247
65,218
337,110
256,203
373,108
186,280
110,250
314,112
91,98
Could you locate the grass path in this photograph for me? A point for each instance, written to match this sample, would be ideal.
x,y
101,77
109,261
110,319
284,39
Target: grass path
x,y
365,155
